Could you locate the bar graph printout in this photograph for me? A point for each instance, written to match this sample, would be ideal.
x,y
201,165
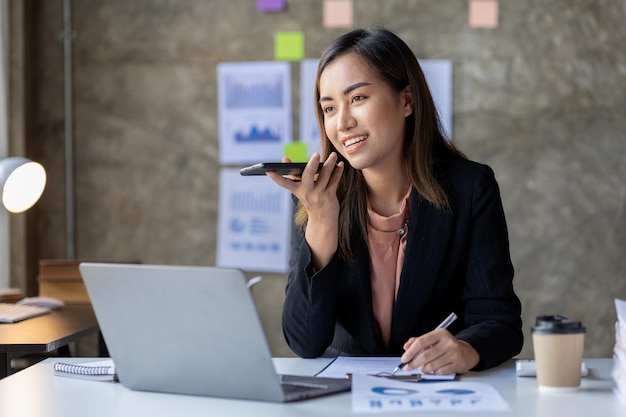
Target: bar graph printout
x,y
309,130
254,111
254,223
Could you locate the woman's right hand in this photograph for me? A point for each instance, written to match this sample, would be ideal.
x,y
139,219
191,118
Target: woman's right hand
x,y
318,194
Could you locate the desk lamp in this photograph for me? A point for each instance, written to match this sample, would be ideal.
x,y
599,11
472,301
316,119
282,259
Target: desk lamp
x,y
22,182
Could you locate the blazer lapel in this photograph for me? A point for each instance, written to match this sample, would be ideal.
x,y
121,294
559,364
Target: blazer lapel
x,y
429,233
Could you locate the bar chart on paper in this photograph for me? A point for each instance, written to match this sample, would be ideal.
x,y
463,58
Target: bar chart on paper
x,y
254,111
249,91
254,223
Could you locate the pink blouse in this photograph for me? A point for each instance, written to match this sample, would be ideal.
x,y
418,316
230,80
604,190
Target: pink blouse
x,y
387,246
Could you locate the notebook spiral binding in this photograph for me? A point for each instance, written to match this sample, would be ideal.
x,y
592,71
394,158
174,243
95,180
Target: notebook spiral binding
x,y
84,370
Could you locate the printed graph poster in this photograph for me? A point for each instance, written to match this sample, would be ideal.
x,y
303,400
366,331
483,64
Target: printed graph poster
x,y
254,223
309,130
438,74
254,111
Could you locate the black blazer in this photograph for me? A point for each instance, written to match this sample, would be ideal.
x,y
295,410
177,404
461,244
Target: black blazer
x,y
456,260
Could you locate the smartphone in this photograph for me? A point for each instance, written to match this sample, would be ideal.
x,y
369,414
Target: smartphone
x,y
283,168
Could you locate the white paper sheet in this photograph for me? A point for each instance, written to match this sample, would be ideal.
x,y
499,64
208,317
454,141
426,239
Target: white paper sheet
x,y
344,365
438,74
309,130
254,223
619,358
620,307
254,111
380,395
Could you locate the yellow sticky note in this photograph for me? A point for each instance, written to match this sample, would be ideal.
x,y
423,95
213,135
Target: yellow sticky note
x,y
338,13
289,46
297,152
483,14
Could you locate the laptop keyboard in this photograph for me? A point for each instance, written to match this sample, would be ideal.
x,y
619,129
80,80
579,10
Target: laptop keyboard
x,y
11,313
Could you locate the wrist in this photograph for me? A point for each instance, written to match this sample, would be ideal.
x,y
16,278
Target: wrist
x,y
471,355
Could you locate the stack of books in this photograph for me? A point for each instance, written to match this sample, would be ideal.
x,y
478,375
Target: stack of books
x,y
619,359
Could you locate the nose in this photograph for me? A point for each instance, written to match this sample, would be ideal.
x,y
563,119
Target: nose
x,y
345,120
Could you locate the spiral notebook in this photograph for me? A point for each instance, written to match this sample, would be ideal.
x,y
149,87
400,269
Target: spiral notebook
x,y
102,370
190,330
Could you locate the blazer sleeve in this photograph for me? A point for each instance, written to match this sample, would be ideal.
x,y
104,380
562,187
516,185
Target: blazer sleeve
x,y
309,312
492,310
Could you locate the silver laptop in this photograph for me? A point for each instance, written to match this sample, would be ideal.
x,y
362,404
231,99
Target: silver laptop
x,y
190,330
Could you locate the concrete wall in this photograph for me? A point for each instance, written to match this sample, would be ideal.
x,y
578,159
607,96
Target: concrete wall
x,y
542,99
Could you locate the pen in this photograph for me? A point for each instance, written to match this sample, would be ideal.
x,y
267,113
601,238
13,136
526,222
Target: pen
x,y
444,324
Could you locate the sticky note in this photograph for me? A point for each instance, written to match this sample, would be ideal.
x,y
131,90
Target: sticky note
x,y
289,46
270,5
297,151
483,14
338,13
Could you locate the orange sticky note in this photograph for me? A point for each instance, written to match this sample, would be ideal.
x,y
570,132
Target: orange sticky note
x,y
338,13
483,14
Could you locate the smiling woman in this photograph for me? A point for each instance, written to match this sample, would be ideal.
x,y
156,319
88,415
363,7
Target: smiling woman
x,y
399,228
364,117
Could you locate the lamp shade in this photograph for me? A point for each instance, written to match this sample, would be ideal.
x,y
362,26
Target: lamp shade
x,y
22,182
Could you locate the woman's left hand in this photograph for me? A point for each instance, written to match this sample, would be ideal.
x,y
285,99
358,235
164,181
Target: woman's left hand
x,y
439,352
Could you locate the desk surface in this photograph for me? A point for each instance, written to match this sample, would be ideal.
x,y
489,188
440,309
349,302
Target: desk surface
x,y
50,331
45,333
69,397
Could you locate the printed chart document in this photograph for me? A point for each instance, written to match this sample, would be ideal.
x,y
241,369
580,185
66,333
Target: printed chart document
x,y
372,395
345,365
619,357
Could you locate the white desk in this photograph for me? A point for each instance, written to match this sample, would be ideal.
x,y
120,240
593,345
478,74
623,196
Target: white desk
x,y
36,392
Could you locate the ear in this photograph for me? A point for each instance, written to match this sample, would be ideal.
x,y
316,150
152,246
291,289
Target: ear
x,y
407,101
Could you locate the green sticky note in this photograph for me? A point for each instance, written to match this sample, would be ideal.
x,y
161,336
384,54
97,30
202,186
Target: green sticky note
x,y
297,152
289,46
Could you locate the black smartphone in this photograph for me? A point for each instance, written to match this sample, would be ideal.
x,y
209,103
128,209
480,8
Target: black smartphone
x,y
283,168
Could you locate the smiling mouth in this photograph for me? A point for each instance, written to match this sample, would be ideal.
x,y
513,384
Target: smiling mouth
x,y
354,141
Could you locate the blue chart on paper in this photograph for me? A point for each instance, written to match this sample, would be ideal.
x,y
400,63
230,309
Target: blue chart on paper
x,y
456,391
247,94
393,391
246,201
257,134
250,226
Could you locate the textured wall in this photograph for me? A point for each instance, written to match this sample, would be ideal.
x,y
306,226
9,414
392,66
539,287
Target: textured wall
x,y
542,99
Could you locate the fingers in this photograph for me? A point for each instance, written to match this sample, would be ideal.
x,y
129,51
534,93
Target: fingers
x,y
286,183
311,184
310,175
439,352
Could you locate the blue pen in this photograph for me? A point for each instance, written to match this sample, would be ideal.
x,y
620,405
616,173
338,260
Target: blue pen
x,y
444,324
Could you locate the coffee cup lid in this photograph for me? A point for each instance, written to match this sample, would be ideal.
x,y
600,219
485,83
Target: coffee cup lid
x,y
557,324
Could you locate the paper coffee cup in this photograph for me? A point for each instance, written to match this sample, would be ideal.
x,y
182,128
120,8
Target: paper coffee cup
x,y
558,344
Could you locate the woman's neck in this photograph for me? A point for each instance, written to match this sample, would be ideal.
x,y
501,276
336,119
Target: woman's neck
x,y
386,193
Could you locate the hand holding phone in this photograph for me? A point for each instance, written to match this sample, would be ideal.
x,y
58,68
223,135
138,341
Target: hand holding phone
x,y
283,168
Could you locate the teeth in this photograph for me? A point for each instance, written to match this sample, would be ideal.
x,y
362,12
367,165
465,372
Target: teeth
x,y
352,141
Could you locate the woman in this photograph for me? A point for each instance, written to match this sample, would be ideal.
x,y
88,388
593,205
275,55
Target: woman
x,y
398,229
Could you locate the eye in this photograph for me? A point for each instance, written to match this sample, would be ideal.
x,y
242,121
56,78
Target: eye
x,y
327,109
358,98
